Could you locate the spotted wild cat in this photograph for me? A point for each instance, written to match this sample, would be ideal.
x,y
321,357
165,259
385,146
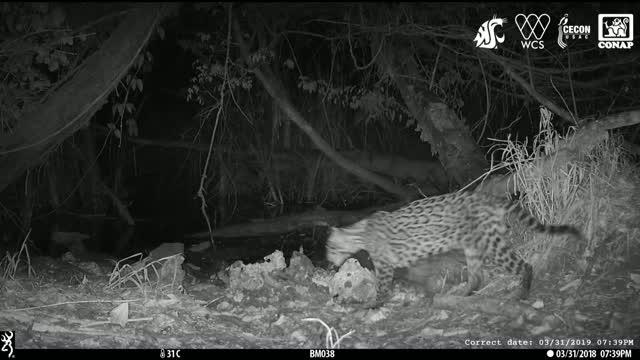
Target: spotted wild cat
x,y
473,222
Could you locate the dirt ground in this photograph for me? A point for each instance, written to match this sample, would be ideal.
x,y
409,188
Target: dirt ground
x,y
68,304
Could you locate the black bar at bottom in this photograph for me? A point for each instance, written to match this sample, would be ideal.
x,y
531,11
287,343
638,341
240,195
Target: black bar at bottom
x,y
519,354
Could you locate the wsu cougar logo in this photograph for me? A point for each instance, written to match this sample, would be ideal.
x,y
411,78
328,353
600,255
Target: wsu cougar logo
x,y
486,37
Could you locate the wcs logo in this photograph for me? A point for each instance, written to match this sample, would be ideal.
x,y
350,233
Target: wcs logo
x,y
532,28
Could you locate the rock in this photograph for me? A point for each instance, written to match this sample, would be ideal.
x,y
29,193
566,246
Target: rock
x,y
539,330
538,304
300,267
353,283
166,250
430,332
250,276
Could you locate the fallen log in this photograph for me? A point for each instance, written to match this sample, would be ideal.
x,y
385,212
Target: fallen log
x,y
284,224
487,305
573,148
429,173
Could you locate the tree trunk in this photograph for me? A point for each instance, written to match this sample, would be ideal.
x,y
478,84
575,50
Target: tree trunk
x,y
71,107
447,134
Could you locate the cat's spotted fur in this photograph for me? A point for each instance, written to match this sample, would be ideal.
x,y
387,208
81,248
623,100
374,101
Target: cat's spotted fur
x,y
473,222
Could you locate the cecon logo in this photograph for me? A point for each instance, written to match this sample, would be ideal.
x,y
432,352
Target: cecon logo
x,y
565,31
532,26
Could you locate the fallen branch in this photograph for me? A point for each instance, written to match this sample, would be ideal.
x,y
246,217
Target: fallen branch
x,y
277,92
390,165
487,305
573,148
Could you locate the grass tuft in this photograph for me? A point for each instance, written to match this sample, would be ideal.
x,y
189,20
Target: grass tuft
x,y
598,194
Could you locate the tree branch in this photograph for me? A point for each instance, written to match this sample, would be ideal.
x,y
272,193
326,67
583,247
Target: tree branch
x,y
276,90
572,149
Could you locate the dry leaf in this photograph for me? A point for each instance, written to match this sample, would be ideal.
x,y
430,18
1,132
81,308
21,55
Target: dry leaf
x,y
120,315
